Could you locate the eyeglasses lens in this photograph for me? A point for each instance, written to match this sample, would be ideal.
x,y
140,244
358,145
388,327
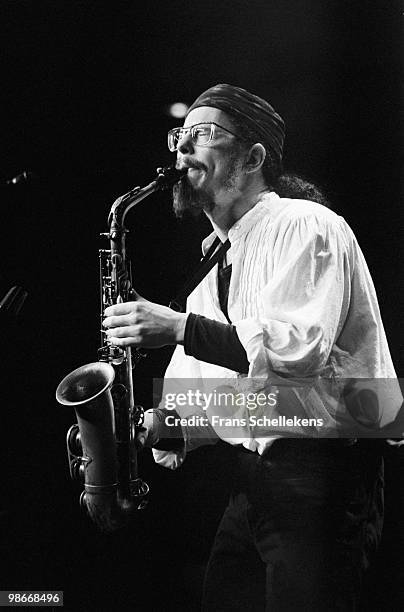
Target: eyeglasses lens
x,y
200,134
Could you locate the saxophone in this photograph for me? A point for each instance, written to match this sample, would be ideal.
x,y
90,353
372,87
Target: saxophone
x,y
101,445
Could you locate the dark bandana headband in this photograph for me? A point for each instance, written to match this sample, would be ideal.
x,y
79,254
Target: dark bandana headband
x,y
257,114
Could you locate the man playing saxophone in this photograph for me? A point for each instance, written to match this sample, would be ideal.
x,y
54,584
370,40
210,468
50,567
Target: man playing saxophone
x,y
289,302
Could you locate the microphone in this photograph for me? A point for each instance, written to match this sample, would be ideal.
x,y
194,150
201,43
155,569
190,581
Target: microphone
x,y
12,302
23,178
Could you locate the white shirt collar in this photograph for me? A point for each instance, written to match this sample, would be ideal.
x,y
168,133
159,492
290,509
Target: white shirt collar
x,y
269,203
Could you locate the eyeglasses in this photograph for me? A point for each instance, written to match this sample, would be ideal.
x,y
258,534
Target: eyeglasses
x,y
202,134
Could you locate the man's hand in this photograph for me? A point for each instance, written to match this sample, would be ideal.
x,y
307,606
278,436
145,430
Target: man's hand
x,y
147,435
155,430
144,324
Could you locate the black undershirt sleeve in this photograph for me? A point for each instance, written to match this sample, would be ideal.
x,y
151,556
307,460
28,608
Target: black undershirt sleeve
x,y
214,342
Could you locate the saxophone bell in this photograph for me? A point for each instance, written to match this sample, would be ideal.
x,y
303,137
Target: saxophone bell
x,y
92,450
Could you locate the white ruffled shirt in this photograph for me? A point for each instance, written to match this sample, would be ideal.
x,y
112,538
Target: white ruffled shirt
x,y
304,306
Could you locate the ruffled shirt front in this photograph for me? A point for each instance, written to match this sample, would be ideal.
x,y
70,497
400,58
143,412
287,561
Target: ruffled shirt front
x,y
305,309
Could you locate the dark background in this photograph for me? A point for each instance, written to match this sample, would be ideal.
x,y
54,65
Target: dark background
x,y
85,86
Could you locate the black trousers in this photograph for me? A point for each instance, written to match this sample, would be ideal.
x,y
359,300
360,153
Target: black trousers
x,y
301,527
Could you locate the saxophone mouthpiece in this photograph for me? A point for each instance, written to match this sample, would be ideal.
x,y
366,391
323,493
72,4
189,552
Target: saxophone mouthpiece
x,y
166,177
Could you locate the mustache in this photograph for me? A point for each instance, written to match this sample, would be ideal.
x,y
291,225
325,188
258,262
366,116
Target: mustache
x,y
190,163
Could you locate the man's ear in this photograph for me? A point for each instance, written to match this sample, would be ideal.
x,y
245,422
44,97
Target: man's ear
x,y
255,157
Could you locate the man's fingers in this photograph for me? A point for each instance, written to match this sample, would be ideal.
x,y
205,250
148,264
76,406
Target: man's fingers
x,y
121,321
132,341
124,307
120,309
124,314
121,332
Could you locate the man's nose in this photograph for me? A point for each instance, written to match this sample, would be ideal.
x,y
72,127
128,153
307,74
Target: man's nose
x,y
185,144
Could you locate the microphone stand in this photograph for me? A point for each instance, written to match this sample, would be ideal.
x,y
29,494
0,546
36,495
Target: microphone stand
x,y
12,303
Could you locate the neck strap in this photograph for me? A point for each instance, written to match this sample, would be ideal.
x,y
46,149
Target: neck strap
x,y
207,262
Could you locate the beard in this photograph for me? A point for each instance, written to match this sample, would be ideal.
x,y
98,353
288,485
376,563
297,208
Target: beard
x,y
188,200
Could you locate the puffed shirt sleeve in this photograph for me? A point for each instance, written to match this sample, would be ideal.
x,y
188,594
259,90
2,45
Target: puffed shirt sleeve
x,y
304,303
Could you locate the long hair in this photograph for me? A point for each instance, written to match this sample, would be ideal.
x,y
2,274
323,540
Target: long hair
x,y
290,185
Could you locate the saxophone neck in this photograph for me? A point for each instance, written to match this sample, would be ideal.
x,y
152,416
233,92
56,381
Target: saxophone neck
x,y
166,178
124,203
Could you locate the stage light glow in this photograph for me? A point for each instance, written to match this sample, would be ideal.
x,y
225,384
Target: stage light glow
x,y
178,110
